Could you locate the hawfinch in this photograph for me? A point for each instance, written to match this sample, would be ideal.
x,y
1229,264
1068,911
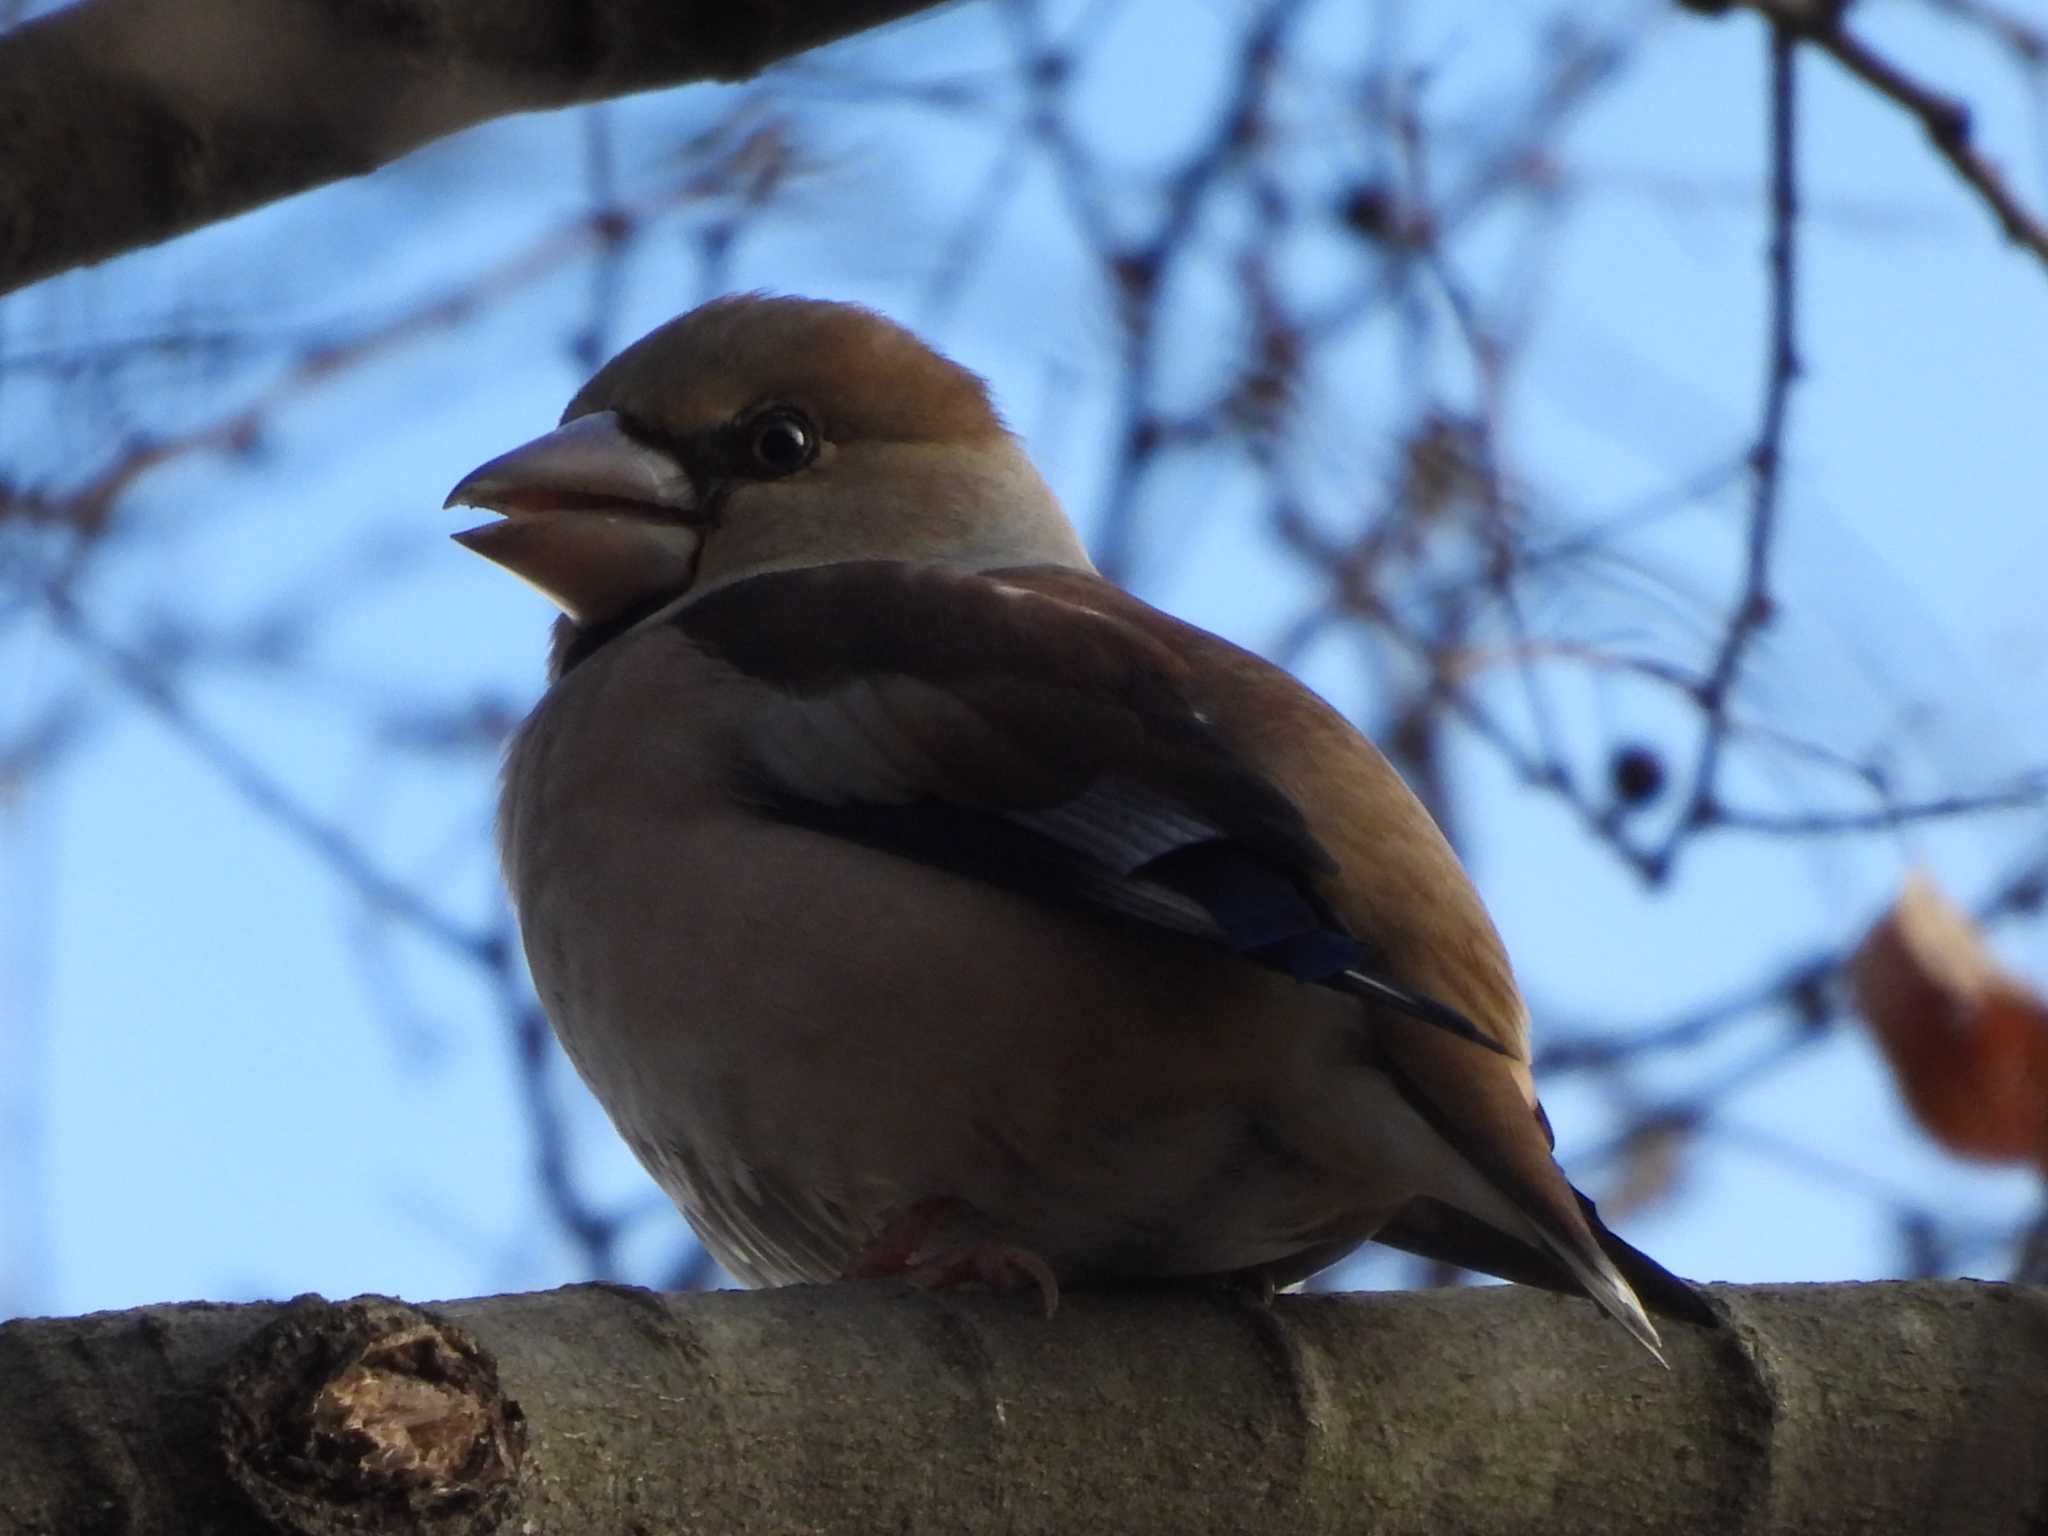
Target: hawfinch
x,y
917,902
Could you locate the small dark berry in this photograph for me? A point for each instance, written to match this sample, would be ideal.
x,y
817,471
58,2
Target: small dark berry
x,y
1638,774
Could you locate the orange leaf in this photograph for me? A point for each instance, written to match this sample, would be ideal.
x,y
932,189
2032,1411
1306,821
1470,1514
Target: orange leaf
x,y
1967,1041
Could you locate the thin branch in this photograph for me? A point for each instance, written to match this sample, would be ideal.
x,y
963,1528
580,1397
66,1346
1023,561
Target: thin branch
x,y
536,1060
1947,123
1945,120
2027,39
2025,792
90,508
1753,602
269,799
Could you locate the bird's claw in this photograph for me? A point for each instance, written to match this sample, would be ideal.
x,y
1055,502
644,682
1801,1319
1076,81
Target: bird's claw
x,y
999,1266
932,1245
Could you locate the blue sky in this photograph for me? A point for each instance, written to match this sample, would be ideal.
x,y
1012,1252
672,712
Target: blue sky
x,y
221,1079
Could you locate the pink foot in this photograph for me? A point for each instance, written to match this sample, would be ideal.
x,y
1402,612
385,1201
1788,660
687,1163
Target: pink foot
x,y
897,1247
999,1266
940,1243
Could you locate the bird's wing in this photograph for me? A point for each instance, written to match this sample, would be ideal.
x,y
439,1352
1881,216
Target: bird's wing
x,y
976,724
1400,885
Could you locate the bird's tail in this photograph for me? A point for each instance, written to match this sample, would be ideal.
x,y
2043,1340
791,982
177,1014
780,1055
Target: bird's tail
x,y
1625,1281
1601,1278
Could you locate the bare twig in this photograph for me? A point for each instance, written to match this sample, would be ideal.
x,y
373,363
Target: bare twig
x,y
1946,120
1753,602
268,798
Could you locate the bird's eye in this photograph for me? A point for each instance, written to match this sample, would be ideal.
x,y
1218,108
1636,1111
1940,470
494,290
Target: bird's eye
x,y
781,442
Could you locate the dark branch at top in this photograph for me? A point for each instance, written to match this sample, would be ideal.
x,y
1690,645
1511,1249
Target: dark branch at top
x,y
129,121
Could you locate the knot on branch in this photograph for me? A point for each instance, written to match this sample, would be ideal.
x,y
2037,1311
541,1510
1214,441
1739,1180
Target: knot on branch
x,y
369,1414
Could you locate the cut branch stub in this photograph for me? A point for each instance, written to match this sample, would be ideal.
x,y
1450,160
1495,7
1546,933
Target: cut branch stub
x,y
369,1415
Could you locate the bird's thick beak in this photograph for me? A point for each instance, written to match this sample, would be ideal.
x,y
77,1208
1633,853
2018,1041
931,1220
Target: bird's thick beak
x,y
595,519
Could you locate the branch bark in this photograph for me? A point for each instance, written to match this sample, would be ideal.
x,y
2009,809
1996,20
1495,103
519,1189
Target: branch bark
x,y
859,1408
129,121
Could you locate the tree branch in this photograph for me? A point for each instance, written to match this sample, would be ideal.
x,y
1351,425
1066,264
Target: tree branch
x,y
129,121
1945,119
1754,605
1818,1409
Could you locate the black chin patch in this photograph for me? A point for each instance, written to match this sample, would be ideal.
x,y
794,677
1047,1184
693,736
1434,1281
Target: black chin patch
x,y
576,643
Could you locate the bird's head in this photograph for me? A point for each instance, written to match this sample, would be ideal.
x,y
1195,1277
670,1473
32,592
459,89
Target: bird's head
x,y
760,434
